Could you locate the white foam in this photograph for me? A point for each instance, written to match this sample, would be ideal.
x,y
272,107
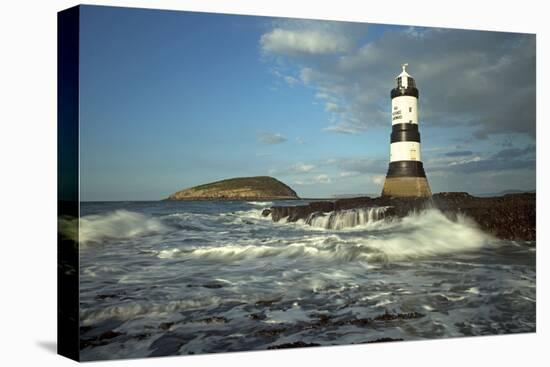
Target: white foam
x,y
260,203
120,224
421,235
130,311
346,218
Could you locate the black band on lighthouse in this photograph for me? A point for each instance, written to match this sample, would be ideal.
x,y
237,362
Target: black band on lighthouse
x,y
406,169
405,132
398,92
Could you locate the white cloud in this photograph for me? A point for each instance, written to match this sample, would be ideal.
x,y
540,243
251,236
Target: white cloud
x,y
349,174
323,179
271,138
342,129
290,80
464,161
304,41
316,180
302,167
333,107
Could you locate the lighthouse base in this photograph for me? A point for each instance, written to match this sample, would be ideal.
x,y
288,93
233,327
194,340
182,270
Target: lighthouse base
x,y
406,187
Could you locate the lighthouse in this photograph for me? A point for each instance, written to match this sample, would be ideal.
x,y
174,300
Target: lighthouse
x,y
406,176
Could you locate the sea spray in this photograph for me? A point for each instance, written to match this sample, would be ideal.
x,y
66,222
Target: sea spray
x,y
119,224
420,235
346,218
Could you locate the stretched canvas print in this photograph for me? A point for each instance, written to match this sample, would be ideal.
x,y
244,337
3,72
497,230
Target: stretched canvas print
x,y
237,183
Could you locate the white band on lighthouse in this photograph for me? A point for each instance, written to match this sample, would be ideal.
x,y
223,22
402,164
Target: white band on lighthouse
x,y
404,110
405,151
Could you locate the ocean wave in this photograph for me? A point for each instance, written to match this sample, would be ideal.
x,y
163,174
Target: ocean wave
x,y
260,203
130,311
345,219
419,235
119,224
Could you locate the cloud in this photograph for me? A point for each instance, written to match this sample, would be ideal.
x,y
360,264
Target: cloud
x,y
290,80
360,165
459,153
301,167
323,179
349,174
483,81
514,153
319,179
271,138
503,160
304,41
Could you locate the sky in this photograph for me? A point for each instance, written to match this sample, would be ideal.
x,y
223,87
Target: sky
x,y
170,100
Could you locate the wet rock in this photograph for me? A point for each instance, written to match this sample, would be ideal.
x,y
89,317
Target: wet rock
x,y
269,333
383,340
257,316
102,339
214,320
511,216
355,322
266,302
207,285
298,344
398,316
213,285
110,295
166,325
324,319
168,344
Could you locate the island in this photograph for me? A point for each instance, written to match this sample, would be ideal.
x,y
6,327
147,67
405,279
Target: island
x,y
258,188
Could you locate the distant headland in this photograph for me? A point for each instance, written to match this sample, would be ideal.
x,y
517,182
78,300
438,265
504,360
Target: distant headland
x,y
239,188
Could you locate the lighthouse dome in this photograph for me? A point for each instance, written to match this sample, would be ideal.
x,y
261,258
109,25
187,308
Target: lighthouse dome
x,y
406,85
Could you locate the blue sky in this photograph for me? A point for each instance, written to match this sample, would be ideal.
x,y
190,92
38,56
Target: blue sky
x,y
170,100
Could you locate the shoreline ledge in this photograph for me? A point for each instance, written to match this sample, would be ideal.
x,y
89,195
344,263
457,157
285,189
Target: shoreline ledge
x,y
510,217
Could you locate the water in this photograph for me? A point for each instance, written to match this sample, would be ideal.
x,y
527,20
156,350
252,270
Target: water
x,y
165,278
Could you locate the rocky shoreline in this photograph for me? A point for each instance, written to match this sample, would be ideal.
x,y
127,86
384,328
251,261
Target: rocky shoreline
x,y
511,216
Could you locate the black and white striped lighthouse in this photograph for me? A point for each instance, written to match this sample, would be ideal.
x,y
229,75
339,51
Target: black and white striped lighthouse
x,y
406,176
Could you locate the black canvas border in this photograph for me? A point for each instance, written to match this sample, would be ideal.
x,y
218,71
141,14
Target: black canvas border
x,y
68,50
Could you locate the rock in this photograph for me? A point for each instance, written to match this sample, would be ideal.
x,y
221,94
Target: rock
x,y
266,302
298,344
214,320
241,188
398,316
166,325
257,316
102,339
168,344
383,340
511,216
270,333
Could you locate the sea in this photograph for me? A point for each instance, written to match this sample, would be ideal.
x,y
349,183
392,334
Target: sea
x,y
164,278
